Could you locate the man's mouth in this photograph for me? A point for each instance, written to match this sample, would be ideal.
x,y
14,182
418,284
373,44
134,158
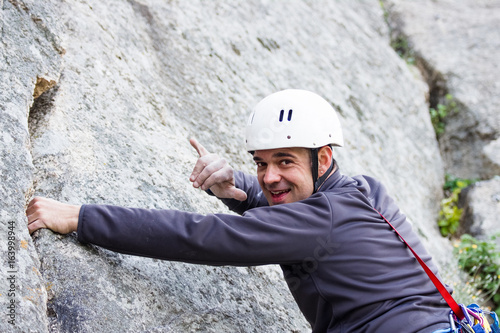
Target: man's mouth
x,y
279,195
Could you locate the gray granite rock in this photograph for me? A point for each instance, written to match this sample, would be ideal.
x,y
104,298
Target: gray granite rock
x,y
30,55
457,44
481,205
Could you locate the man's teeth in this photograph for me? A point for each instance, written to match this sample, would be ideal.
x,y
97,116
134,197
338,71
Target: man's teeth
x,y
278,192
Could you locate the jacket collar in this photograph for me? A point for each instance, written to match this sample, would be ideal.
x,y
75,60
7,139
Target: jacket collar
x,y
336,180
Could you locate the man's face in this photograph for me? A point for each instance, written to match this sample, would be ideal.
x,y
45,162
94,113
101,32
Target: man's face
x,y
284,174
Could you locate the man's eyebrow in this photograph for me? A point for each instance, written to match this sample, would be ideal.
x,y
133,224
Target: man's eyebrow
x,y
276,155
281,154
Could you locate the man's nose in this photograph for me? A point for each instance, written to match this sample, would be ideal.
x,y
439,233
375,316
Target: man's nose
x,y
272,175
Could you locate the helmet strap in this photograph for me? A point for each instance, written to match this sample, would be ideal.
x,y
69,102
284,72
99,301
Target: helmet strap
x,y
314,167
318,181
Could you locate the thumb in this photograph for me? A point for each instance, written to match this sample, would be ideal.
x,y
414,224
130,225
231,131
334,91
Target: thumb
x,y
238,194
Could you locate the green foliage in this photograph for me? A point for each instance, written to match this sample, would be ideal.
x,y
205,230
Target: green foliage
x,y
386,13
399,42
402,47
449,216
481,260
439,113
453,183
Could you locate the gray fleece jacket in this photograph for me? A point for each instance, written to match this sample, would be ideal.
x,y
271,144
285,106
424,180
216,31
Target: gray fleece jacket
x,y
346,268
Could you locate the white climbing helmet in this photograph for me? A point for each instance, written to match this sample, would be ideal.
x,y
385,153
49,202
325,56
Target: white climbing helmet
x,y
293,118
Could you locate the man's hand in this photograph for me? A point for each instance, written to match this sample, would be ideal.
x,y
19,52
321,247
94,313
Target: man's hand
x,y
51,214
212,172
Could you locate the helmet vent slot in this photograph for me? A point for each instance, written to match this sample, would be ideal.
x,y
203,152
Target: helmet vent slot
x,y
253,116
282,114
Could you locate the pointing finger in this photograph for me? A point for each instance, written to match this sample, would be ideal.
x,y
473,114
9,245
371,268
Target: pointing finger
x,y
199,147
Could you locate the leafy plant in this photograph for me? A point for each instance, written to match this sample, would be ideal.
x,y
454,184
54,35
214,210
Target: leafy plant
x,y
481,260
450,214
453,183
402,47
399,42
439,113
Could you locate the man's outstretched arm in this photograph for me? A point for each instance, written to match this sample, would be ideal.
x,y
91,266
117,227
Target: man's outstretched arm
x,y
51,214
210,171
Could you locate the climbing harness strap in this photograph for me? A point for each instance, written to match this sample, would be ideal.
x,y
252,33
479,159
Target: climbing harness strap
x,y
469,319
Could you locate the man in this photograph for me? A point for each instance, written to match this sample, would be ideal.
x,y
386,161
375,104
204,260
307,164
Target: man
x,y
346,268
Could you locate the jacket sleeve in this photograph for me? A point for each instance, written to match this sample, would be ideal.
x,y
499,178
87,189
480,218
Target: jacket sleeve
x,y
251,186
284,234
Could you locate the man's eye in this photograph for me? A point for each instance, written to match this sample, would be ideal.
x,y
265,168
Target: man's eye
x,y
259,164
285,162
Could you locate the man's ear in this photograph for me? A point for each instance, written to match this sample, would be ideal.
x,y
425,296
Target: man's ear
x,y
325,156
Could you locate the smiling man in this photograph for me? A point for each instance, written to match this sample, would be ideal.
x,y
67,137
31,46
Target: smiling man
x,y
285,174
344,265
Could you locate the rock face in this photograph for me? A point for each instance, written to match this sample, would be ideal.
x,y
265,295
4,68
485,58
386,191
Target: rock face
x,y
98,99
29,51
482,208
456,44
